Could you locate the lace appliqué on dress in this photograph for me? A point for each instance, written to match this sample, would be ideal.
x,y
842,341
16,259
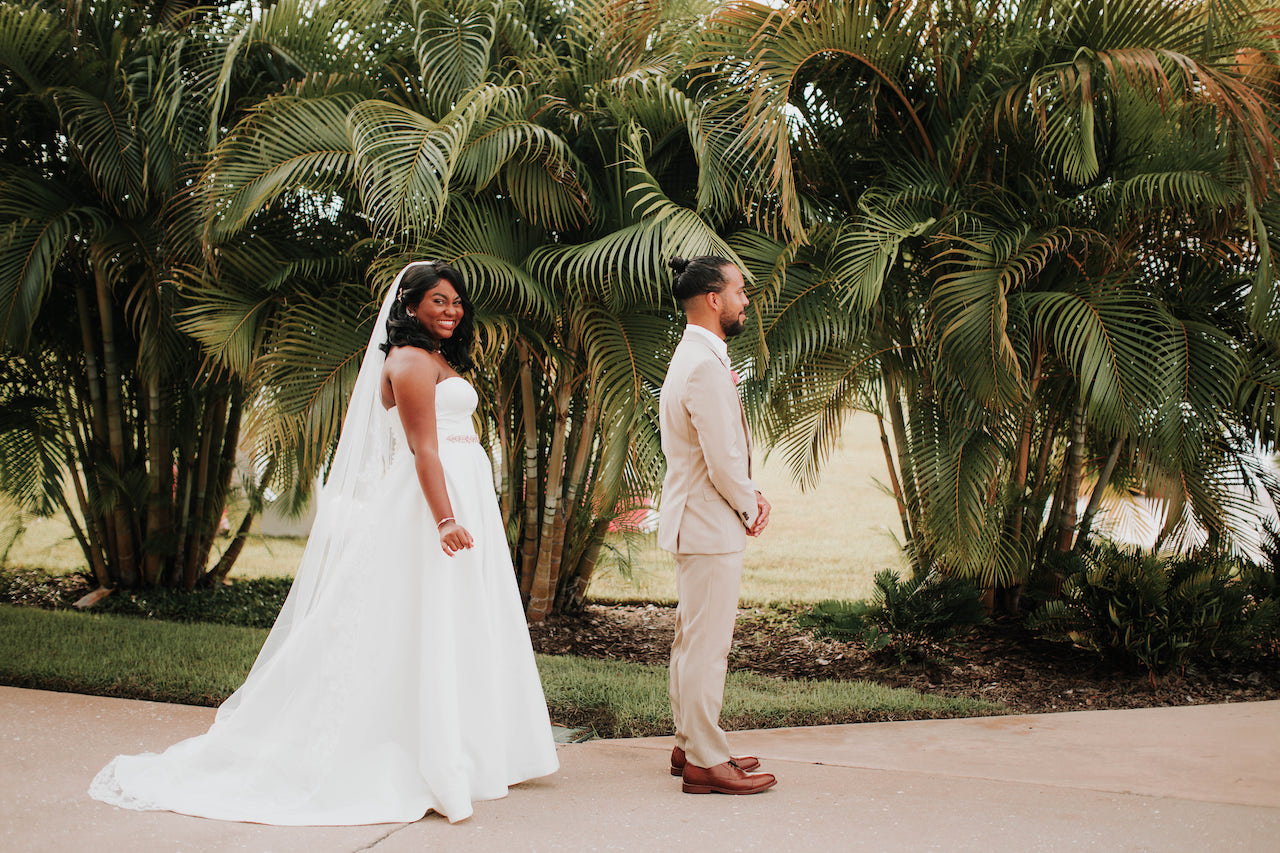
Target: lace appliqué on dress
x,y
106,787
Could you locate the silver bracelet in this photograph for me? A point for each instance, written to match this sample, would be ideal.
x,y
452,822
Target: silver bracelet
x,y
443,520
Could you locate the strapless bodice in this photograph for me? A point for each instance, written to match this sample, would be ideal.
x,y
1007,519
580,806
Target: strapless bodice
x,y
456,402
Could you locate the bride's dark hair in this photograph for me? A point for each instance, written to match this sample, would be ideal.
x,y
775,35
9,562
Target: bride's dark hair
x,y
404,330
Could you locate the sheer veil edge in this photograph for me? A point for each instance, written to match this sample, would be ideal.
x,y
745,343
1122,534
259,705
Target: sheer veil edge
x,y
358,462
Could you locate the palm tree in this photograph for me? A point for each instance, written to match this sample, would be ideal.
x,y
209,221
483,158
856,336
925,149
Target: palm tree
x,y
132,443
551,155
1009,202
113,108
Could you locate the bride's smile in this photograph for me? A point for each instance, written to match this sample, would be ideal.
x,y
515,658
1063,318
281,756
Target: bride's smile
x,y
440,310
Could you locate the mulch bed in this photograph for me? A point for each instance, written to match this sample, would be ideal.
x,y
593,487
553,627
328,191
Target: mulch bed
x,y
1000,661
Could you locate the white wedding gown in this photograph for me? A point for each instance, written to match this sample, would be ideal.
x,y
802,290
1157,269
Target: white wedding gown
x,y
402,681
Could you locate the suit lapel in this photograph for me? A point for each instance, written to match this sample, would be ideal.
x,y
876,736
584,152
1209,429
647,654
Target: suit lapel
x,y
742,412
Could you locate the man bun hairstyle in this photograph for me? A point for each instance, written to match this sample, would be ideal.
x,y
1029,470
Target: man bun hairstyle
x,y
404,330
696,276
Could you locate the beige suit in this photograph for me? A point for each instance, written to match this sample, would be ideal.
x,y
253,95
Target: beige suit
x,y
708,504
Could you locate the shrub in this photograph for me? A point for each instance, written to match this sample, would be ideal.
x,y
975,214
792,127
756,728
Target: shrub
x,y
253,603
1162,612
904,615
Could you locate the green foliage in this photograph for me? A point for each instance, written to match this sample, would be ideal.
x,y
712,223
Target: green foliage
x,y
1163,612
904,616
841,620
1023,235
114,656
112,414
251,603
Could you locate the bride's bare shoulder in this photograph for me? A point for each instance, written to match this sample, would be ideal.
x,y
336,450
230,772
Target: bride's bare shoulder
x,y
404,361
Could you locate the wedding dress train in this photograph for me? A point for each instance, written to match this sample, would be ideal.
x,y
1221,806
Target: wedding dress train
x,y
398,681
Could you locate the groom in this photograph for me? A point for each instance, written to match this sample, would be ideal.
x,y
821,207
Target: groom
x,y
709,507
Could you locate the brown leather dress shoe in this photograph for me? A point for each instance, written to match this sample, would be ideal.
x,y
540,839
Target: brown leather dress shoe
x,y
748,763
727,778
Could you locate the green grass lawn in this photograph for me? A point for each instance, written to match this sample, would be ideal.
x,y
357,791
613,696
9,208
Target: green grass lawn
x,y
825,543
202,664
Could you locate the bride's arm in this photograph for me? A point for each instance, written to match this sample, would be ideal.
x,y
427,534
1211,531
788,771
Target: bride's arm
x,y
413,374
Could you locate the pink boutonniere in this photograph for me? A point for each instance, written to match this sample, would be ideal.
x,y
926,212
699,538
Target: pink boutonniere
x,y
733,374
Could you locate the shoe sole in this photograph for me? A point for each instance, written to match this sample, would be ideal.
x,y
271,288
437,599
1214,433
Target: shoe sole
x,y
712,789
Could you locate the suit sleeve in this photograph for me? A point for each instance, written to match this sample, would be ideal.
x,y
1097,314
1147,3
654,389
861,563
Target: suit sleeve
x,y
716,414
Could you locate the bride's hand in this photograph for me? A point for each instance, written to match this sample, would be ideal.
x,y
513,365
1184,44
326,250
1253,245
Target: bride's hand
x,y
454,537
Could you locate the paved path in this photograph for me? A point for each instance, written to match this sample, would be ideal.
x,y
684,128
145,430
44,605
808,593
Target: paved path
x,y
1203,778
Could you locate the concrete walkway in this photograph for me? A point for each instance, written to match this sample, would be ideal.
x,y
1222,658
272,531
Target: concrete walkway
x,y
1203,778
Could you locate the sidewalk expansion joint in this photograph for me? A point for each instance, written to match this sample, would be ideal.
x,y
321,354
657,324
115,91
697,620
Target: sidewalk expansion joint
x,y
381,838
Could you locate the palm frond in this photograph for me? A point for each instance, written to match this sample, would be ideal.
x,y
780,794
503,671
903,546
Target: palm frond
x,y
1116,344
36,227
33,46
405,162
488,244
452,44
289,142
316,353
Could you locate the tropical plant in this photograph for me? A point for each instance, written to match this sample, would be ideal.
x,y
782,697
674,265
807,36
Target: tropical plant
x,y
549,153
1162,613
107,414
118,417
904,615
1038,234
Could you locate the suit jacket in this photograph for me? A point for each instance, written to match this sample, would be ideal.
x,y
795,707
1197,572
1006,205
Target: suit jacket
x,y
708,498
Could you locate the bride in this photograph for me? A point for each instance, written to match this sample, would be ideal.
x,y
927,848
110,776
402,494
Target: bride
x,y
399,677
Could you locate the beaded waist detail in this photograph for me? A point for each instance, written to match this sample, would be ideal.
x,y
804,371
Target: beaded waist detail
x,y
461,438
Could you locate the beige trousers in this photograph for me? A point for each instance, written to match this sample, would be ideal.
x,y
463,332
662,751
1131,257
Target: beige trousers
x,y
707,586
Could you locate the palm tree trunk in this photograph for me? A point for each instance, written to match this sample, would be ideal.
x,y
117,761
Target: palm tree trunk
x,y
125,553
552,535
1023,459
93,379
1017,512
1039,482
586,435
1095,499
205,462
897,419
225,467
893,481
92,543
160,470
183,485
506,486
1071,490
529,542
586,567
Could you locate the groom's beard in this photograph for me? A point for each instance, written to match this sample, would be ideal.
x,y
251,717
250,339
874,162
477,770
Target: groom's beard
x,y
732,326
